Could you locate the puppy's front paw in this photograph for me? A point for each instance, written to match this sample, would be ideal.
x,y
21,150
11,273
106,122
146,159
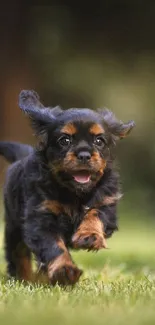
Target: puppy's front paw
x,y
90,234
63,271
88,241
66,275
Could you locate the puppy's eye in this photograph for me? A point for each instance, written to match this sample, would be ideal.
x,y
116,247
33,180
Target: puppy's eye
x,y
99,141
65,141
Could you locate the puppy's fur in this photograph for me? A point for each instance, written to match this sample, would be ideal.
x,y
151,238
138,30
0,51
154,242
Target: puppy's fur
x,y
64,193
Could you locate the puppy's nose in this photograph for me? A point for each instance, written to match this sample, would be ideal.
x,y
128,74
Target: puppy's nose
x,y
84,156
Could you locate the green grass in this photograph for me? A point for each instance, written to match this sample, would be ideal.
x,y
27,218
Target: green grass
x,y
117,287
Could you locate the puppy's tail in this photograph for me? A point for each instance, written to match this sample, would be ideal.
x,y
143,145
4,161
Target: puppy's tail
x,y
13,151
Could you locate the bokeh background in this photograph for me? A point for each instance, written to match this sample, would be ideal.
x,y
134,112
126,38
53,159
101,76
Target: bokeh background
x,y
83,54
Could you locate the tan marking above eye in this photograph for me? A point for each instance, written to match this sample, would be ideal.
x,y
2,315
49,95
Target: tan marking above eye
x,y
96,129
69,129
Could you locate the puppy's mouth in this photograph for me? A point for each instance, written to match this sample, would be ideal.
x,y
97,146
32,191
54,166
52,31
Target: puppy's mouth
x,y
82,177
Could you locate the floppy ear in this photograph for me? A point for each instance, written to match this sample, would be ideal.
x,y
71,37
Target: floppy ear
x,y
118,129
41,117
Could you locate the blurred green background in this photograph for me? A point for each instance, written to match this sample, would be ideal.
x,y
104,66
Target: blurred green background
x,y
80,54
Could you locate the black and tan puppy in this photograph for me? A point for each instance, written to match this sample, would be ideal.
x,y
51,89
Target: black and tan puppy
x,y
64,193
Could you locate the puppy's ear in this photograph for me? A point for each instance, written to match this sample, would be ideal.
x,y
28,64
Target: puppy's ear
x,y
56,111
41,117
117,128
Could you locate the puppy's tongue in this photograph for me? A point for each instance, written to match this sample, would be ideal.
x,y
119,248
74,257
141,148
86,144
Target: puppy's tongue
x,y
82,177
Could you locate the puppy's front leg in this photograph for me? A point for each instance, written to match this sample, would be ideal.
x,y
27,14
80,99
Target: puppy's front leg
x,y
62,270
43,239
90,234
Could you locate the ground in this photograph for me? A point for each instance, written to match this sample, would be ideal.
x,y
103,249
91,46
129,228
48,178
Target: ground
x,y
117,287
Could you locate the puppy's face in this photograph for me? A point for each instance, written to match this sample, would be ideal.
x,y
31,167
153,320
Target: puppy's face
x,y
75,142
78,149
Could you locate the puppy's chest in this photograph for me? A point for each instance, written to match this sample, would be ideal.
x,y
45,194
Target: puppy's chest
x,y
72,212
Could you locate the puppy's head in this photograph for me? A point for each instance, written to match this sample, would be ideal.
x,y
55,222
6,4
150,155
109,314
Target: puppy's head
x,y
76,142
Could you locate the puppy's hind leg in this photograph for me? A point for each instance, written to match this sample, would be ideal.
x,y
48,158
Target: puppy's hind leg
x,y
17,255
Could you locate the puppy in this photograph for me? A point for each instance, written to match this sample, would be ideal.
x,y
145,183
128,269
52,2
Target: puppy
x,y
62,194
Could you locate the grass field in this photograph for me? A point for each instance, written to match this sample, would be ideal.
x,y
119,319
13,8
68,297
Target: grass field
x,y
117,287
